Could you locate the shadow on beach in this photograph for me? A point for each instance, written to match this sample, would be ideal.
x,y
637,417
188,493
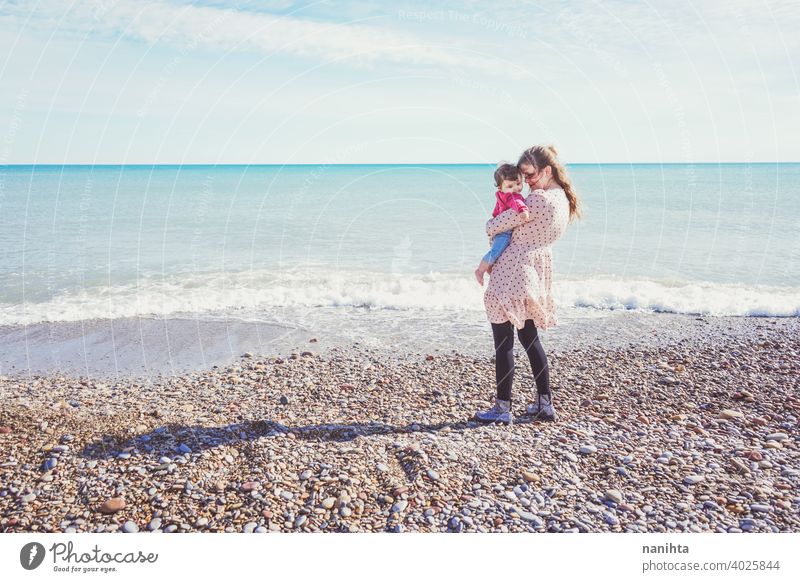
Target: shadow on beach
x,y
176,439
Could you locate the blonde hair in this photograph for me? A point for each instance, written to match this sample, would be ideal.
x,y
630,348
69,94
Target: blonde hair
x,y
541,156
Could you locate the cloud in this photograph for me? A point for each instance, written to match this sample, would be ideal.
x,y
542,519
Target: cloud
x,y
228,29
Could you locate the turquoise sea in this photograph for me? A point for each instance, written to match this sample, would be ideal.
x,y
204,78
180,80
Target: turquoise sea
x,y
293,244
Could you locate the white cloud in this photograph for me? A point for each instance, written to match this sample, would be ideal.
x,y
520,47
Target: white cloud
x,y
233,30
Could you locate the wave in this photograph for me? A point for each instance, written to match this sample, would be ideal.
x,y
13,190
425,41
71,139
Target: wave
x,y
270,291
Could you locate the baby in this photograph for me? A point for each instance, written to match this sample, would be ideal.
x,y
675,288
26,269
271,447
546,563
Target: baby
x,y
508,180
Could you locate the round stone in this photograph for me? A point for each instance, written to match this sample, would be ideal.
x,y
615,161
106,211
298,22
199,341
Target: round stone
x,y
154,524
113,505
130,527
693,479
588,449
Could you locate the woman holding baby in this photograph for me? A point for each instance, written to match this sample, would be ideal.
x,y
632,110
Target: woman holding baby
x,y
520,274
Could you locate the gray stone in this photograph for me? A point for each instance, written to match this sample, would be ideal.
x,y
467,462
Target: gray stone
x,y
588,449
693,479
249,527
399,506
154,524
130,527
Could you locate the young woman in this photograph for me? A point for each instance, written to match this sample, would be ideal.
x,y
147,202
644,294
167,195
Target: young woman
x,y
518,295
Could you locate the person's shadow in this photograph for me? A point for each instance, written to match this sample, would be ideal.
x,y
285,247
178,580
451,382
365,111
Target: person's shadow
x,y
179,439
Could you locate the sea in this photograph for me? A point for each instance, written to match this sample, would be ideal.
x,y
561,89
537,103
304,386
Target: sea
x,y
362,248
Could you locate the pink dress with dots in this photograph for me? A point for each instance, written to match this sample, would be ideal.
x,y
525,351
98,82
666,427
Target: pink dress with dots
x,y
519,284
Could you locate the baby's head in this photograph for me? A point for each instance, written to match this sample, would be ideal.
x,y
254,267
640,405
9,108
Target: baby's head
x,y
507,178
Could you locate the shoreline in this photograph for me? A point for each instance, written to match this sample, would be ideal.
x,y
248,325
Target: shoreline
x,y
693,430
143,347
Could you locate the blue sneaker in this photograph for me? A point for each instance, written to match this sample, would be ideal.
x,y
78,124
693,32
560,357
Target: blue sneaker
x,y
500,412
542,408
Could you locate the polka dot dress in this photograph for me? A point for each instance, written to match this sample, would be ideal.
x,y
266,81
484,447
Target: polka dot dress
x,y
519,284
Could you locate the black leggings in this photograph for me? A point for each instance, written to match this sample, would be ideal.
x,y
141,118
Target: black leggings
x,y
504,357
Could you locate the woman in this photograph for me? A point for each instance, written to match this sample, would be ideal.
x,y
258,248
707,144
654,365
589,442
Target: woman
x,y
518,295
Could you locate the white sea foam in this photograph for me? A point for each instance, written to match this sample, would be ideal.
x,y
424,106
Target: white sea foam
x,y
268,292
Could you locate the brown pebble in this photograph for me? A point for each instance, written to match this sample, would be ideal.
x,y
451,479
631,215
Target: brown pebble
x,y
249,486
429,358
755,456
313,340
5,429
113,505
267,514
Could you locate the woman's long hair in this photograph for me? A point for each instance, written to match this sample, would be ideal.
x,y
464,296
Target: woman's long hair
x,y
541,156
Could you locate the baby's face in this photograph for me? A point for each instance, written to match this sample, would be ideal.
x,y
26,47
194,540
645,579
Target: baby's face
x,y
511,186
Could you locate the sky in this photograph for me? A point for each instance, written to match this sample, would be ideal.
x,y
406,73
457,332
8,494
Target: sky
x,y
357,81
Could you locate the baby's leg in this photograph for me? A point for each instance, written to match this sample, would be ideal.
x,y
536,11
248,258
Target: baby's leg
x,y
499,243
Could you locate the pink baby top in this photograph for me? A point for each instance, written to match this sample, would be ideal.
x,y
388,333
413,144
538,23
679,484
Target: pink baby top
x,y
508,200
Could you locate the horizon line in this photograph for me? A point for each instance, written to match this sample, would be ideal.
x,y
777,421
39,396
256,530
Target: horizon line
x,y
199,164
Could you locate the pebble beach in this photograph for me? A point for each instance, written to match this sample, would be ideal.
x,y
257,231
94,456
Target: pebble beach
x,y
692,431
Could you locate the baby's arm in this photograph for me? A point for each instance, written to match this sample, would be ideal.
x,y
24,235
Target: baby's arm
x,y
518,205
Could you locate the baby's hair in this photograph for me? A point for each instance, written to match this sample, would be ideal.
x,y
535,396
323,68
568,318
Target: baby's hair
x,y
505,172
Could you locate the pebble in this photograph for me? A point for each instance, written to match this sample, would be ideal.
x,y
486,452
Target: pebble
x,y
693,479
432,475
130,527
588,449
728,414
571,456
614,495
112,505
778,436
249,527
399,506
154,524
50,464
610,518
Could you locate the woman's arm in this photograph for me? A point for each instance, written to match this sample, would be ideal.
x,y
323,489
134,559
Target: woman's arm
x,y
507,220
